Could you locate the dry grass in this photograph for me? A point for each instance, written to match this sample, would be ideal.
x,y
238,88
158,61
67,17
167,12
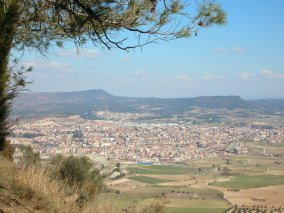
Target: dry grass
x,y
57,195
104,207
34,190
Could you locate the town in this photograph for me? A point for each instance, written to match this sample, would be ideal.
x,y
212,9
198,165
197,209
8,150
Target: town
x,y
138,141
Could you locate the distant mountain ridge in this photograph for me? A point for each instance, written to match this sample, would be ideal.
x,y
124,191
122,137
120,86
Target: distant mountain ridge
x,y
85,102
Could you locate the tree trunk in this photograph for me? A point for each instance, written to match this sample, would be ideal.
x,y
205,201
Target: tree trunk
x,y
9,16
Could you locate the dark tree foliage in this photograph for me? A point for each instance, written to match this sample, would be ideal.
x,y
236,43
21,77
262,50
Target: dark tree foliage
x,y
79,172
123,24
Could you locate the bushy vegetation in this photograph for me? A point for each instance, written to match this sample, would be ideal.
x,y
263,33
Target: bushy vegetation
x,y
64,184
79,172
32,188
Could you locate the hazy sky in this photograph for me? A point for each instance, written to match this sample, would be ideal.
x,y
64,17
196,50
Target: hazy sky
x,y
244,57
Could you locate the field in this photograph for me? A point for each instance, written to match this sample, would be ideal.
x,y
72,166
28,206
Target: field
x,y
255,180
178,199
248,182
158,170
183,203
151,180
260,147
264,196
172,183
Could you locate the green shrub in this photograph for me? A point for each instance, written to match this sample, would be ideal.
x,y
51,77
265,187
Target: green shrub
x,y
8,151
29,156
75,170
79,172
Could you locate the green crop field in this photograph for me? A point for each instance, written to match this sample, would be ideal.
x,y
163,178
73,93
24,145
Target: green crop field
x,y
247,182
158,170
150,180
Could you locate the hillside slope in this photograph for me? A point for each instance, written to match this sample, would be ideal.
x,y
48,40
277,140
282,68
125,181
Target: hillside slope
x,y
33,190
85,102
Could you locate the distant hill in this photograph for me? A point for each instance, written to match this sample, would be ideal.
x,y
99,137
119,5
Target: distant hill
x,y
84,102
270,105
